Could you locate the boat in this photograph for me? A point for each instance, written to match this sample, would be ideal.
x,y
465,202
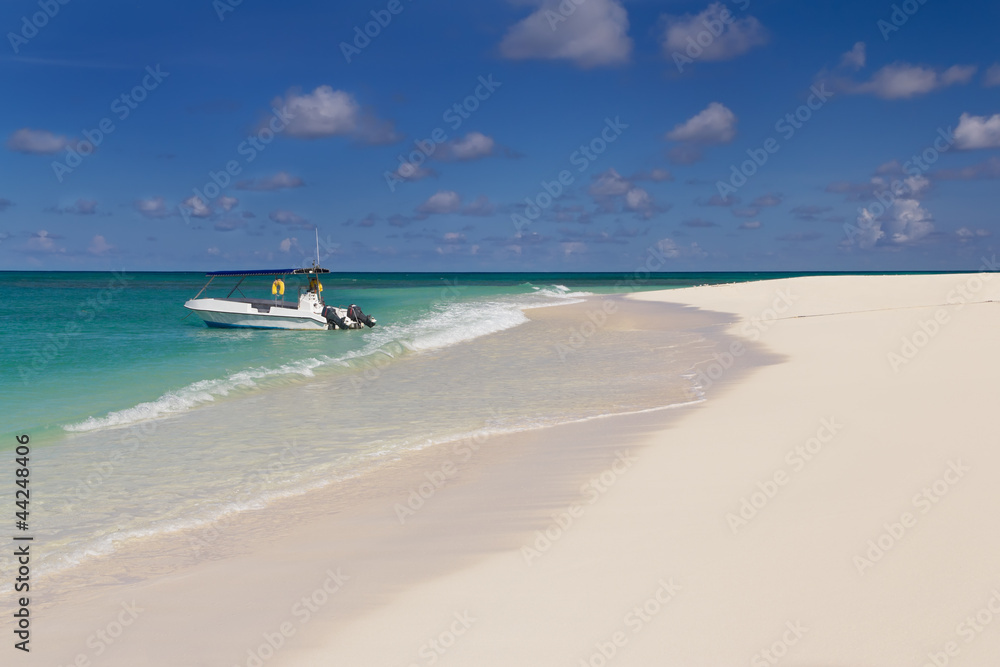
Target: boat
x,y
307,311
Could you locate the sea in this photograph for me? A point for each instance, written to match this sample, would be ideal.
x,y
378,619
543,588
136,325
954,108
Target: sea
x,y
144,422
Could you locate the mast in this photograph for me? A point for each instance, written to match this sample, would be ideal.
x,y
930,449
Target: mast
x,y
317,246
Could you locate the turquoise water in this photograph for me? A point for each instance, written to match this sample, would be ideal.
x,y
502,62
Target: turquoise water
x,y
146,423
83,349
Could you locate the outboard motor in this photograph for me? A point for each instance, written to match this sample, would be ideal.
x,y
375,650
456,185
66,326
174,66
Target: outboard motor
x,y
355,314
330,313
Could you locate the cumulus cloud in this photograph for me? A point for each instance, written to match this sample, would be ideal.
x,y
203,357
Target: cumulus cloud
x,y
687,35
79,207
480,206
905,221
609,187
229,224
472,146
654,175
326,112
992,76
290,220
977,132
591,34
895,81
855,58
228,203
36,142
672,250
754,224
714,125
287,244
988,170
441,203
280,181
42,241
153,207
197,207
99,246
965,234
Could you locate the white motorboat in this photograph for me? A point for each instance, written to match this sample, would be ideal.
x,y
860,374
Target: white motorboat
x,y
307,311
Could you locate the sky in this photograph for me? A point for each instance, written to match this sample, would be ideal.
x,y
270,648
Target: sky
x,y
506,135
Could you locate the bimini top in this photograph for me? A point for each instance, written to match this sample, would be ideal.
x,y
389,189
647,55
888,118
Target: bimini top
x,y
268,272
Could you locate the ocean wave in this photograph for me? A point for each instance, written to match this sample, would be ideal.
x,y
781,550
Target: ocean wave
x,y
444,325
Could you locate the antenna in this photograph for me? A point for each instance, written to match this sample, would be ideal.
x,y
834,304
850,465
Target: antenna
x,y
317,246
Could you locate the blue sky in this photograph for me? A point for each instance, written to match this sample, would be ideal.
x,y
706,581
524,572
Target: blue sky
x,y
512,135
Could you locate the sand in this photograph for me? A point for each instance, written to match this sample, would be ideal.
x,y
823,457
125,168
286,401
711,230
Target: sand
x,y
831,503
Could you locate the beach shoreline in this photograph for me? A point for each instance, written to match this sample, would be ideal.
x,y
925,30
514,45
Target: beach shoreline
x,y
511,562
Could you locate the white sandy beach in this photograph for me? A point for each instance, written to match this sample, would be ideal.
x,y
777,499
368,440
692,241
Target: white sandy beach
x,y
835,507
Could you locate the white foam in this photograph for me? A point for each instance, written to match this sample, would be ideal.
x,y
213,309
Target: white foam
x,y
444,325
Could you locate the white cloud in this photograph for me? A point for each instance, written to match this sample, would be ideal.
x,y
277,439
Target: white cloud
x,y
977,132
153,207
287,244
480,206
228,203
737,36
609,184
472,146
754,224
79,207
905,221
326,112
442,202
855,58
903,81
639,200
43,241
199,209
671,250
280,181
965,234
714,125
36,142
212,251
289,219
99,246
591,34
992,76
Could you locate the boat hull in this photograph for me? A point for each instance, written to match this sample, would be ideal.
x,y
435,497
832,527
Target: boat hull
x,y
233,314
